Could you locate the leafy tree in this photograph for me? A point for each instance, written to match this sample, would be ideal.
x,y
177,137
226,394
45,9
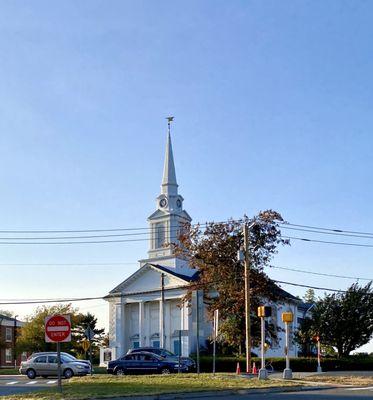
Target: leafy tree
x,y
309,296
342,320
84,322
6,313
213,252
32,335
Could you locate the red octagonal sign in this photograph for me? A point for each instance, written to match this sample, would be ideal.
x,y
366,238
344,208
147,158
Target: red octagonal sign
x,y
57,328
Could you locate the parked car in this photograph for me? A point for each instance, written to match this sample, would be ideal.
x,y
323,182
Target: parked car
x,y
45,364
189,362
67,355
144,362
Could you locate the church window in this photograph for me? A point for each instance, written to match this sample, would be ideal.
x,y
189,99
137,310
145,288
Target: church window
x,y
156,344
160,235
136,345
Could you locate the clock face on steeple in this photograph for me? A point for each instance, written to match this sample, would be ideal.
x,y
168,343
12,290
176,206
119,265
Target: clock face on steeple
x,y
163,202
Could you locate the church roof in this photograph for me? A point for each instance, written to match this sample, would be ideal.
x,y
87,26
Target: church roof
x,y
168,270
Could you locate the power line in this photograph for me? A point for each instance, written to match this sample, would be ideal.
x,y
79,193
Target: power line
x,y
327,232
120,295
322,274
311,287
325,241
327,229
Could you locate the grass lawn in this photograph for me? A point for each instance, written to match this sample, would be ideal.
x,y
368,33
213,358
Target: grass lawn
x,y
342,380
8,371
110,386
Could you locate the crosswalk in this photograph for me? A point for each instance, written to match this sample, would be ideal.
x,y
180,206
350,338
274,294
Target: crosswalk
x,y
38,382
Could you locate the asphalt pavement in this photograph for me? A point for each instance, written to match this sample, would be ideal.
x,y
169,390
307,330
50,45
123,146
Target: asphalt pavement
x,y
16,384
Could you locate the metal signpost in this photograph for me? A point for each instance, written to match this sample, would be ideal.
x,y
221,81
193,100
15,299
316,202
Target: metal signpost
x,y
319,369
181,333
216,329
58,330
287,318
90,334
263,312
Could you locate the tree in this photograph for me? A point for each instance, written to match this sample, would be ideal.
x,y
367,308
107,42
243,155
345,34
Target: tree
x,y
309,296
213,252
84,322
6,313
32,335
342,320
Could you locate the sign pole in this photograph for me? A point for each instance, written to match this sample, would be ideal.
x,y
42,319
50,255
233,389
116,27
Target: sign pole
x,y
287,318
59,366
319,369
179,350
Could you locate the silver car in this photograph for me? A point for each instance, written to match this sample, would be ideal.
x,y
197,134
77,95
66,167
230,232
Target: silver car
x,y
46,365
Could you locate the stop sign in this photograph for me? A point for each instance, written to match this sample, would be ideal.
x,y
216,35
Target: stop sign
x,y
57,328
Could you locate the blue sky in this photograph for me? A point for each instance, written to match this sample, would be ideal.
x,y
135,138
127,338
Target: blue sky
x,y
272,104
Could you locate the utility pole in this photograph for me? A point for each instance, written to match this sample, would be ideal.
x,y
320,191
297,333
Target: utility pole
x,y
161,313
15,341
247,297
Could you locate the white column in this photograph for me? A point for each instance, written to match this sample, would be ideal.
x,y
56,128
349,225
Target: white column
x,y
141,323
120,336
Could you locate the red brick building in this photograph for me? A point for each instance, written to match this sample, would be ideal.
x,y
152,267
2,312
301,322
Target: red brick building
x,y
8,327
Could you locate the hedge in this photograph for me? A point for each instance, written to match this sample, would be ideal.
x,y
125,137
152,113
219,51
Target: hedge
x,y
301,364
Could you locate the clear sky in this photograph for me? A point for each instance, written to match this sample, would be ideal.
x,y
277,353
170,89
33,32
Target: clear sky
x,y
272,103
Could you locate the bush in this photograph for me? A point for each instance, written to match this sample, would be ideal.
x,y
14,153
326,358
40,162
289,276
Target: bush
x,y
301,364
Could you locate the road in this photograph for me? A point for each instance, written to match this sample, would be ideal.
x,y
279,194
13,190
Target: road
x,y
324,394
15,384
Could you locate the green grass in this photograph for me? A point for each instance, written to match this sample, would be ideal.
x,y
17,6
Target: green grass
x,y
101,386
9,371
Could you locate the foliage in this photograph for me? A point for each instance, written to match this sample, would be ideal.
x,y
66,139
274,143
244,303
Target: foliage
x,y
213,252
6,313
83,322
300,364
32,337
309,296
342,320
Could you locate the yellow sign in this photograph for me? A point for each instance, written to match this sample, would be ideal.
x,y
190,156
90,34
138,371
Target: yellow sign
x,y
86,344
287,317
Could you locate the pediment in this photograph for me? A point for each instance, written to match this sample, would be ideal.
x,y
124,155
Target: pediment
x,y
148,278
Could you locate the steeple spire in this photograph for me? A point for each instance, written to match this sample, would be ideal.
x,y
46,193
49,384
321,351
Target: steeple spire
x,y
169,184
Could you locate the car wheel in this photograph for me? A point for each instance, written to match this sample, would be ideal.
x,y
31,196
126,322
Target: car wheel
x,y
119,371
68,373
165,371
31,374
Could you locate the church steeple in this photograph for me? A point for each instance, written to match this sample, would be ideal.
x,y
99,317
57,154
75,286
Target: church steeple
x,y
169,217
169,184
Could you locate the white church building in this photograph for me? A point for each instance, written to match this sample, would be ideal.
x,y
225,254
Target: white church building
x,y
147,308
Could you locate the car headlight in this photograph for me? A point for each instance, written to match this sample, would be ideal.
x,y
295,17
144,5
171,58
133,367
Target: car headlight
x,y
80,367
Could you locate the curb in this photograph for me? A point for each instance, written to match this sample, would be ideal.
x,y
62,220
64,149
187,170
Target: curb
x,y
237,392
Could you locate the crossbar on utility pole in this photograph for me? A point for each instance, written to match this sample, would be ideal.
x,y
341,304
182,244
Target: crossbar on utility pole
x,y
247,298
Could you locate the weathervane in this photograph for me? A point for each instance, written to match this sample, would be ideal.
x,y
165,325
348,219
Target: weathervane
x,y
169,120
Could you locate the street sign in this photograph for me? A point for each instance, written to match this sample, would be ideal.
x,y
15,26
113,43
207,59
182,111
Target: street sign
x,y
89,333
86,344
57,329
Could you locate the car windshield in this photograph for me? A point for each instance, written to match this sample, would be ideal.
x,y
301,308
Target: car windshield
x,y
166,353
68,357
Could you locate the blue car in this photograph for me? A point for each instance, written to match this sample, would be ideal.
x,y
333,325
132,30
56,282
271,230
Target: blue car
x,y
144,363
